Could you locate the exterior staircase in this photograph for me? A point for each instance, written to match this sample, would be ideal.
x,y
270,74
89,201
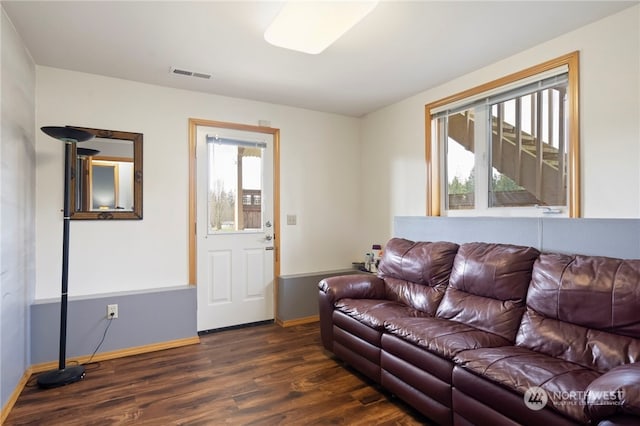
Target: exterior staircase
x,y
536,166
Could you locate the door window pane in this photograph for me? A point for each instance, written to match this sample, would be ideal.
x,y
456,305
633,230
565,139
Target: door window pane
x,y
103,187
232,207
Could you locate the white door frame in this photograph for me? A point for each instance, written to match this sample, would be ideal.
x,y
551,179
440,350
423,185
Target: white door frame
x,y
193,253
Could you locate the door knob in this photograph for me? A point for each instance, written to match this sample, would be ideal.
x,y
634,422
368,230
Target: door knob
x,y
268,237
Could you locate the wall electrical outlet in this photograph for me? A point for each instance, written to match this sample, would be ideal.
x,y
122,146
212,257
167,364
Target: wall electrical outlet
x,y
112,311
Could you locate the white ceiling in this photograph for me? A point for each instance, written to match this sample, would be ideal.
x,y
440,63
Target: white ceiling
x,y
400,49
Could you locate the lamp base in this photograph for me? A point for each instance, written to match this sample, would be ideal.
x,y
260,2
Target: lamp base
x,y
55,378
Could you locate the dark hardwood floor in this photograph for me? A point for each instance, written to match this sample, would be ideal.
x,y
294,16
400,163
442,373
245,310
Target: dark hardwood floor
x,y
263,375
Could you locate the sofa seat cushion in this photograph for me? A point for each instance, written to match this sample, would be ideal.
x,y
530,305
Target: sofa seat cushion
x,y
520,369
443,337
374,312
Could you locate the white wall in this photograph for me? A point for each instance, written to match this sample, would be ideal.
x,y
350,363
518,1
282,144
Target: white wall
x,y
393,138
17,202
319,182
335,188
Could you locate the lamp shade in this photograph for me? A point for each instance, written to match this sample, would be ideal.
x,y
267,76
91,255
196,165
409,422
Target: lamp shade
x,y
86,152
67,134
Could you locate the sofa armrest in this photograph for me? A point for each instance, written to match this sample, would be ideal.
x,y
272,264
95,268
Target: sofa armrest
x,y
617,392
620,421
356,286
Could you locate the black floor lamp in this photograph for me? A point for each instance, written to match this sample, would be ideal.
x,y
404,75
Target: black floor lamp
x,y
64,375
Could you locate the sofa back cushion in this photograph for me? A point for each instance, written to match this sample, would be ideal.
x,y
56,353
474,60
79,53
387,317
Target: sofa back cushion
x,y
584,309
417,273
488,287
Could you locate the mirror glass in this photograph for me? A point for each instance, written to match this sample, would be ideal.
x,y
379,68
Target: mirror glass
x,y
106,178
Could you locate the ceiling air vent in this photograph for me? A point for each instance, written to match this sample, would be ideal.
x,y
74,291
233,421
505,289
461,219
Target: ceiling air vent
x,y
181,71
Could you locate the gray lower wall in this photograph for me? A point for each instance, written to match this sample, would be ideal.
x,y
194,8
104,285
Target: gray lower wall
x,y
144,318
298,294
597,237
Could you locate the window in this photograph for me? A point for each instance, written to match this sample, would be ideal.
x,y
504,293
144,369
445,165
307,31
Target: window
x,y
235,182
509,147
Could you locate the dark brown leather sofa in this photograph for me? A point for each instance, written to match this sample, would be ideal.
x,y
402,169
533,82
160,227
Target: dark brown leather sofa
x,y
493,334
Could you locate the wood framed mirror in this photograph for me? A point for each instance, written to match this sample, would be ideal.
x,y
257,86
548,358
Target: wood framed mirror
x,y
106,176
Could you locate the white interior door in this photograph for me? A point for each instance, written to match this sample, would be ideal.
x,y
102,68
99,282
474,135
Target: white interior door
x,y
234,230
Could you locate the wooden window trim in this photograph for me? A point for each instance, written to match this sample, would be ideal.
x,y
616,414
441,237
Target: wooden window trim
x,y
432,148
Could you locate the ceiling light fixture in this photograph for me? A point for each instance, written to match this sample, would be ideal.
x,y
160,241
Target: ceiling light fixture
x,y
312,26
